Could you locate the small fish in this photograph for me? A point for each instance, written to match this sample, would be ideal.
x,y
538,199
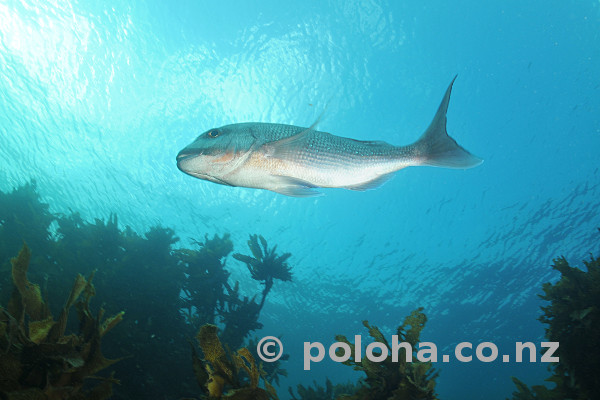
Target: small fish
x,y
295,161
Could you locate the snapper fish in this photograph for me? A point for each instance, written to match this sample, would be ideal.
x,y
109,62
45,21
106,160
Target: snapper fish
x,y
296,161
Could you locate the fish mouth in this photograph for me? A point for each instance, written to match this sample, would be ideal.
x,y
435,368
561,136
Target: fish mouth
x,y
182,157
187,153
205,177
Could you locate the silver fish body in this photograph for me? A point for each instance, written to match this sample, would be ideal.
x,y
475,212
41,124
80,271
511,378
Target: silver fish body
x,y
295,161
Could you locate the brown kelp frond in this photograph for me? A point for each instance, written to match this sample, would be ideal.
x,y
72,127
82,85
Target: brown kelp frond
x,y
29,294
243,359
271,370
40,361
38,330
111,322
410,330
213,350
538,392
390,380
78,286
572,319
228,375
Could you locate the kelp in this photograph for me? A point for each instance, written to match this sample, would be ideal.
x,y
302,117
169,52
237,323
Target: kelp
x,y
38,360
27,298
209,298
24,217
207,285
273,370
142,273
389,380
265,265
541,392
223,374
329,392
240,316
572,318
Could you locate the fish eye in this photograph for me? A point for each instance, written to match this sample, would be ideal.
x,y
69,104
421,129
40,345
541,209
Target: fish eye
x,y
213,134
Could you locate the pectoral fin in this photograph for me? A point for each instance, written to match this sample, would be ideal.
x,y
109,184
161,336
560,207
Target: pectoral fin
x,y
295,187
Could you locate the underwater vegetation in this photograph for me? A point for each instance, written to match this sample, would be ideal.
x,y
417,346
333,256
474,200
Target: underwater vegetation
x,y
388,380
223,374
317,392
573,320
38,360
137,274
166,292
23,218
273,370
265,265
228,375
211,299
385,380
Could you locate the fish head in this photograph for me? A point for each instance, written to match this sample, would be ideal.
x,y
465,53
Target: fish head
x,y
217,152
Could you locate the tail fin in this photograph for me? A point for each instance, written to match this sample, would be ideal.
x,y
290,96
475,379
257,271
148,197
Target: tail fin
x,y
437,149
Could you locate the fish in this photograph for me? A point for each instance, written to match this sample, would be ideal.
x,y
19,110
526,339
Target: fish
x,y
297,161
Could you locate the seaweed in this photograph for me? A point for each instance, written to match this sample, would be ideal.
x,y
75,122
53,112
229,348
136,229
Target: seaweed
x,y
541,392
137,273
210,299
265,265
240,317
23,217
573,320
39,360
273,370
389,380
329,392
207,284
228,375
142,274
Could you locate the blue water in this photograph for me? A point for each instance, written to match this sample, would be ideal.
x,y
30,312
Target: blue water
x,y
96,99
